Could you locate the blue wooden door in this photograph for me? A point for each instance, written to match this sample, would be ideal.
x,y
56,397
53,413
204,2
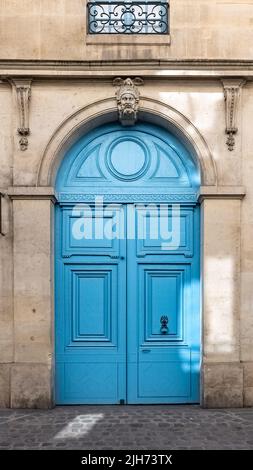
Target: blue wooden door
x,y
163,313
127,289
91,303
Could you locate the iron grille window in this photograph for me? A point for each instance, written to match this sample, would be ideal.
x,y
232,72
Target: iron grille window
x,y
128,17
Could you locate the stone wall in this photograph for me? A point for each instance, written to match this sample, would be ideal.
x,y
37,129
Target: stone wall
x,y
56,29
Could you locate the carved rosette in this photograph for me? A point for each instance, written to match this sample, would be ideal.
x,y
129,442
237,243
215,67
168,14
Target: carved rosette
x,y
23,94
128,97
232,94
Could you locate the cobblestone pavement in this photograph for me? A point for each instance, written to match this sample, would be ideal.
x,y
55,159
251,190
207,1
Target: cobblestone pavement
x,y
127,427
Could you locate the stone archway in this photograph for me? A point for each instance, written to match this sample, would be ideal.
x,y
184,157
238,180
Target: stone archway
x,y
105,111
34,273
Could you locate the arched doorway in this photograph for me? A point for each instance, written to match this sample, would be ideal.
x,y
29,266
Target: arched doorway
x,y
127,269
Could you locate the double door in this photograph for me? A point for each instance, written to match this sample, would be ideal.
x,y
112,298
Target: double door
x,y
127,305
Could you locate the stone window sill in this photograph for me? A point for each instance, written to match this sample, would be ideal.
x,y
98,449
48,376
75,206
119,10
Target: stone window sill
x,y
128,39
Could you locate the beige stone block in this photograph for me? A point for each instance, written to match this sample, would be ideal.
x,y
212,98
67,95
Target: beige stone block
x,y
20,37
247,246
33,331
221,286
246,317
58,7
37,264
33,280
222,385
6,329
32,227
4,385
220,398
248,396
248,374
247,209
231,11
6,288
12,7
223,43
31,386
65,37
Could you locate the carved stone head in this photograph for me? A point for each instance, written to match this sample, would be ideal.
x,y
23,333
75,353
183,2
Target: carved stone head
x,y
127,99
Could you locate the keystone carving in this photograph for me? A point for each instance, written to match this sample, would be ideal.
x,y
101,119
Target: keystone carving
x,y
128,97
23,93
232,94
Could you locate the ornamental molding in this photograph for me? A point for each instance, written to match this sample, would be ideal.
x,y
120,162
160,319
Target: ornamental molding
x,y
32,192
221,192
122,198
128,97
22,89
169,68
232,88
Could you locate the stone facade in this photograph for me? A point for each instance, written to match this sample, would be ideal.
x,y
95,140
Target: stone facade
x,y
56,82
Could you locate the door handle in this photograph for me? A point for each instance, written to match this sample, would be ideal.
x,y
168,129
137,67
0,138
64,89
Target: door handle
x,y
164,325
146,350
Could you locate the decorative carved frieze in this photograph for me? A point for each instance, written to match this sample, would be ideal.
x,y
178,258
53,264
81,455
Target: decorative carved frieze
x,y
231,94
128,97
110,197
23,94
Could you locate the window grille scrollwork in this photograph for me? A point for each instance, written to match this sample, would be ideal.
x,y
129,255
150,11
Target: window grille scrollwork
x,y
115,17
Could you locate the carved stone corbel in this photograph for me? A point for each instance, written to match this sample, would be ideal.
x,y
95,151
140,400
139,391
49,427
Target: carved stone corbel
x,y
232,89
23,94
128,97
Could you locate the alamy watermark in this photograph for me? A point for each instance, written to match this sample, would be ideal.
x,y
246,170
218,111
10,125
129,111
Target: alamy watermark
x,y
108,221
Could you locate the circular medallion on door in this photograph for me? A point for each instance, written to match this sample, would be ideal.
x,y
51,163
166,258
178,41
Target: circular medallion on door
x,y
128,159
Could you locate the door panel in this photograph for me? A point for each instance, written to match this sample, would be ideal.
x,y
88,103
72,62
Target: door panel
x,y
163,319
161,370
162,377
82,232
90,382
91,325
162,296
93,305
157,231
